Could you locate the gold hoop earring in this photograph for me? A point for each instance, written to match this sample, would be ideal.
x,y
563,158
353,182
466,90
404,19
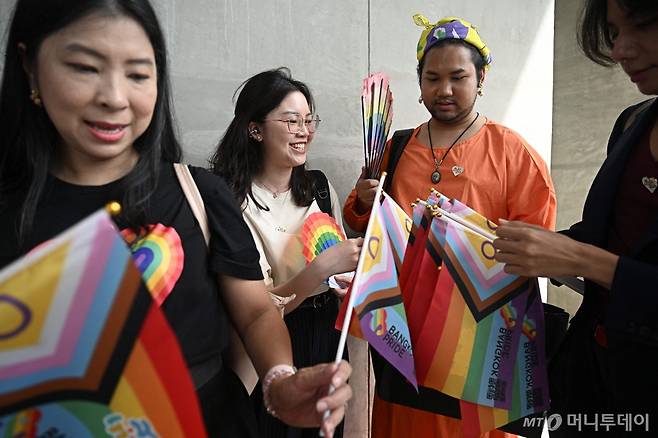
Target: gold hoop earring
x,y
480,92
420,99
35,98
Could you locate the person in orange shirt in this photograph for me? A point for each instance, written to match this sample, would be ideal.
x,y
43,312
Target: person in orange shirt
x,y
464,155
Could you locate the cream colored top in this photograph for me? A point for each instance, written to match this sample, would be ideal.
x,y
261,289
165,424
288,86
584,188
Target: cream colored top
x,y
276,233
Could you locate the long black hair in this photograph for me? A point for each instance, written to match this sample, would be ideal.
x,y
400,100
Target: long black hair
x,y
594,33
29,137
238,158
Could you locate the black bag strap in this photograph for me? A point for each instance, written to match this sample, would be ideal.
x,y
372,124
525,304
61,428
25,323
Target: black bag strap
x,y
398,142
321,191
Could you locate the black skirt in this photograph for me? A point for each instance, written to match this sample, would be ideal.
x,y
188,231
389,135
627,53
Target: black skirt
x,y
226,408
314,340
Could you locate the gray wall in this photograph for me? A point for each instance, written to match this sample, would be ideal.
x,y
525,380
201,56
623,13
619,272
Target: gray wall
x,y
587,100
332,45
215,45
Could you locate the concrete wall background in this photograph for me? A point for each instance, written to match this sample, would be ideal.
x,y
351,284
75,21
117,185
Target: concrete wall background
x,y
587,100
214,45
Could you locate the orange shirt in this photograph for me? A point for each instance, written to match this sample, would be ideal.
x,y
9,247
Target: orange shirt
x,y
503,177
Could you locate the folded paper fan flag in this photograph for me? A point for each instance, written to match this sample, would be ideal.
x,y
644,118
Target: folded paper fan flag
x,y
377,117
319,232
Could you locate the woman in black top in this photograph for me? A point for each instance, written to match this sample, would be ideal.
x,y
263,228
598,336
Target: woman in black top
x,y
85,115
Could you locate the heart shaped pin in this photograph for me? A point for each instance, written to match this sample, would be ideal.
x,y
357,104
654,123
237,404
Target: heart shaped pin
x,y
457,170
650,183
159,256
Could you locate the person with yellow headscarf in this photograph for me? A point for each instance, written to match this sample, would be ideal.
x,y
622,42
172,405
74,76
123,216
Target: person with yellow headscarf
x,y
464,155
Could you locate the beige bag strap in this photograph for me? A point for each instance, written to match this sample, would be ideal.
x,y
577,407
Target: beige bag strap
x,y
194,198
237,357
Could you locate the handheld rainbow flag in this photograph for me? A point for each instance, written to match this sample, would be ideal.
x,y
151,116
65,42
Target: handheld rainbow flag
x,y
84,351
378,302
398,227
377,115
466,247
530,380
479,361
376,297
319,232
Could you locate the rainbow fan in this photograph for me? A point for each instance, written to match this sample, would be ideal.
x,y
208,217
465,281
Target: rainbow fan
x,y
319,232
377,115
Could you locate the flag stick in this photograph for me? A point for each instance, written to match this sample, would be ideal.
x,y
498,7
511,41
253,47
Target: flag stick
x,y
573,283
357,277
462,222
355,288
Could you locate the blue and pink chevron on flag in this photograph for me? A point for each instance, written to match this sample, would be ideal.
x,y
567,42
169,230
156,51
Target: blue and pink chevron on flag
x,y
469,257
378,301
398,226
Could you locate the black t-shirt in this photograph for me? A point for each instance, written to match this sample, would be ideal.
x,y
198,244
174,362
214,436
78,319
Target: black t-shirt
x,y
189,281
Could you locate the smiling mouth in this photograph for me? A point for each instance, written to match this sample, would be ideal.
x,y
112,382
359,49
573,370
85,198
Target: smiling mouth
x,y
106,128
106,132
299,147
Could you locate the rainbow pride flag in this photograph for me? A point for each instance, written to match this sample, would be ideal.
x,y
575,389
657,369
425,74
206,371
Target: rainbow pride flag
x,y
485,363
84,351
420,217
530,380
470,259
398,226
378,301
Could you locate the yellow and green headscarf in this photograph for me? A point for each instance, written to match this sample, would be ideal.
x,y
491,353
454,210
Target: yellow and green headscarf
x,y
449,27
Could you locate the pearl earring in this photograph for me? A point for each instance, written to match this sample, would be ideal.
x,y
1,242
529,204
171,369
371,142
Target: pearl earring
x,y
34,97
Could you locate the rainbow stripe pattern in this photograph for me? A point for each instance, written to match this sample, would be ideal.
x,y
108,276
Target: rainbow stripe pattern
x,y
494,365
470,259
84,351
378,301
319,232
377,117
398,226
158,253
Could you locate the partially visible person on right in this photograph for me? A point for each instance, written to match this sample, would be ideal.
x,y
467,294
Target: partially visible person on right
x,y
608,362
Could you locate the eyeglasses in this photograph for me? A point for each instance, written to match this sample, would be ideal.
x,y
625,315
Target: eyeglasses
x,y
295,123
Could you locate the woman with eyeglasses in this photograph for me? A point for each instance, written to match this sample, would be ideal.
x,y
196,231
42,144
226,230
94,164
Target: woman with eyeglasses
x,y
262,157
86,119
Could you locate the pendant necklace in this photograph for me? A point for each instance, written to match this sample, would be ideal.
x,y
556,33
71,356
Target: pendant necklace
x,y
275,193
436,175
